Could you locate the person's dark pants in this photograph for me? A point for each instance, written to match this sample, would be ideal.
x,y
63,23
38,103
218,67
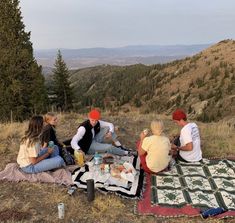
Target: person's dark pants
x,y
180,158
176,141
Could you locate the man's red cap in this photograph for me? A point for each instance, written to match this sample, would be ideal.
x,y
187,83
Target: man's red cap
x,y
178,115
94,114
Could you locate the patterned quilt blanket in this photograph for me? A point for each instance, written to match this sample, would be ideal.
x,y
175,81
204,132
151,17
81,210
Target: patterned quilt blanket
x,y
205,184
107,183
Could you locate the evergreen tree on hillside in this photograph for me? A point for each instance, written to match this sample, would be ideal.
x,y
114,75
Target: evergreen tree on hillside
x,y
61,86
21,82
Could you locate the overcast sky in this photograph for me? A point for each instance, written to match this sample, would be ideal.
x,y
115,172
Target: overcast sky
x,y
114,23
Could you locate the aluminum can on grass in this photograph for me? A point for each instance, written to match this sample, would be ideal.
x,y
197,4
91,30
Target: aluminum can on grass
x,y
61,210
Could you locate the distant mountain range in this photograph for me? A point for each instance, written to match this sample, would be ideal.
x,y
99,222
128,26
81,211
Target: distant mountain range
x,y
203,85
144,54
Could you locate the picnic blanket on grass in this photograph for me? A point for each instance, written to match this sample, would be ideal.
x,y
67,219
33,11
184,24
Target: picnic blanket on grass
x,y
190,188
12,172
106,183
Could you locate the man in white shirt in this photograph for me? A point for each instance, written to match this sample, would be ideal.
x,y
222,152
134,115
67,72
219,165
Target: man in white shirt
x,y
190,143
92,133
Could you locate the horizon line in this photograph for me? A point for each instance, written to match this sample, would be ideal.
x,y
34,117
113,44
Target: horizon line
x,y
135,45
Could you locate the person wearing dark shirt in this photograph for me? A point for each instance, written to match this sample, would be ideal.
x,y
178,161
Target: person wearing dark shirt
x,y
49,132
92,134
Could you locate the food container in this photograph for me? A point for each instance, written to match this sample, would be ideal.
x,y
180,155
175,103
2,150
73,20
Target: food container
x,y
79,158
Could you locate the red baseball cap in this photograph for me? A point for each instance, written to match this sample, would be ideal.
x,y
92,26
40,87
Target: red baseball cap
x,y
178,114
94,114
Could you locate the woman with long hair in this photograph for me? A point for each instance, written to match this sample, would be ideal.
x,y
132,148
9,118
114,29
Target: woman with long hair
x,y
33,157
49,132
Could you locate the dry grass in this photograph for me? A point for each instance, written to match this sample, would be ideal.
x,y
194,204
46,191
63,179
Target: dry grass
x,y
218,139
35,202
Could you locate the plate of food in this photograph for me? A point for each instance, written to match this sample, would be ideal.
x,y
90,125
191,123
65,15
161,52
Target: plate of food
x,y
108,159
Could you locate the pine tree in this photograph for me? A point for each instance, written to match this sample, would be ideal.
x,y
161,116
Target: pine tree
x,y
21,82
61,86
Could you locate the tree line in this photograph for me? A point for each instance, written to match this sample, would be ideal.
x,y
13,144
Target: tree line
x,y
22,84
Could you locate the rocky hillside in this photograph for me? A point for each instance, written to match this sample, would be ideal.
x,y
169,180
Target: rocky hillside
x,y
204,85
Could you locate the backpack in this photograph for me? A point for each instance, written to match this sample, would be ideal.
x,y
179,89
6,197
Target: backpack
x,y
66,155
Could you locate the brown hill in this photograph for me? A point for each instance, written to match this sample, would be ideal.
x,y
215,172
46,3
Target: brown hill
x,y
204,85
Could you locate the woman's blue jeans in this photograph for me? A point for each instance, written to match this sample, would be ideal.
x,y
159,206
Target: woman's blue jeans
x,y
53,161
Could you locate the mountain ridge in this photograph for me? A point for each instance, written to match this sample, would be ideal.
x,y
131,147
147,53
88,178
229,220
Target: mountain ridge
x,y
146,54
204,85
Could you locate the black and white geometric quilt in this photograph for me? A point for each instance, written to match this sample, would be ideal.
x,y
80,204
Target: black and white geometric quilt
x,y
106,183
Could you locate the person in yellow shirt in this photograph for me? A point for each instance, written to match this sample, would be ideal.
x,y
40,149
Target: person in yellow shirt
x,y
32,156
154,150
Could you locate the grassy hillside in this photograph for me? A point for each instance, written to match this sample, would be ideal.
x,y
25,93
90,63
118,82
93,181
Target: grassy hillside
x,y
204,85
37,202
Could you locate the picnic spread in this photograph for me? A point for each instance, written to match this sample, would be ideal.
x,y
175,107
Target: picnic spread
x,y
186,189
118,174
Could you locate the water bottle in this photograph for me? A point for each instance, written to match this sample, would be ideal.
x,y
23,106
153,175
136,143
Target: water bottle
x,y
61,210
212,212
97,162
97,158
90,190
51,144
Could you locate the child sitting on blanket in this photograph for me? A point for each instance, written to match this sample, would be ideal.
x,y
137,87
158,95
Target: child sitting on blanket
x,y
32,158
154,150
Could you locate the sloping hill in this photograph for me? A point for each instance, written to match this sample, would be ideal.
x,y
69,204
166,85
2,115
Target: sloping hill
x,y
204,85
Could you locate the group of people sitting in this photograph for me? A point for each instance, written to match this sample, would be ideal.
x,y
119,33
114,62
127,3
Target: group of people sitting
x,y
94,135
156,151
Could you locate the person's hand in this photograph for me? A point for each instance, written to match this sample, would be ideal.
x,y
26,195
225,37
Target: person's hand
x,y
142,136
80,151
50,150
108,135
174,147
172,152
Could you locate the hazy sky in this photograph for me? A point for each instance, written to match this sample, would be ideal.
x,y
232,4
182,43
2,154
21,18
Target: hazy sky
x,y
114,23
